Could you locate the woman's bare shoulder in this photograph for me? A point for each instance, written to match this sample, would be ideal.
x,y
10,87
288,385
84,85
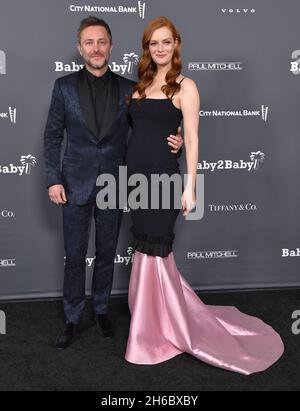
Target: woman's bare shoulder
x,y
188,83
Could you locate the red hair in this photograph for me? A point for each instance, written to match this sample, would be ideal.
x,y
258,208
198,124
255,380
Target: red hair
x,y
147,67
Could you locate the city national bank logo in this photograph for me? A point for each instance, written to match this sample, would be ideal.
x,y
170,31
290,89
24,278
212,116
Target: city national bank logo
x,y
7,262
27,162
215,66
11,114
140,9
256,157
295,65
126,67
2,323
204,255
2,62
262,113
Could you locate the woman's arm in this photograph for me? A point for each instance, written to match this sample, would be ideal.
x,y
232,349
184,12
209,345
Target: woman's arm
x,y
190,106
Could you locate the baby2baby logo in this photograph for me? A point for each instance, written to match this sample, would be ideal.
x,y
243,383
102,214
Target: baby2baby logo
x,y
256,158
27,162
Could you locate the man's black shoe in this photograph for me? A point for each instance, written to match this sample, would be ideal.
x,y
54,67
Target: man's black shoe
x,y
104,325
66,339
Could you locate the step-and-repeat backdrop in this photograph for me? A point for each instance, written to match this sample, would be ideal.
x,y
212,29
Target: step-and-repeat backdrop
x,y
245,59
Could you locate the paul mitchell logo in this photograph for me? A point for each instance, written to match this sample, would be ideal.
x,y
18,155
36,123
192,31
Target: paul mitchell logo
x,y
262,113
11,114
216,66
2,62
256,158
139,9
295,65
8,262
204,255
27,161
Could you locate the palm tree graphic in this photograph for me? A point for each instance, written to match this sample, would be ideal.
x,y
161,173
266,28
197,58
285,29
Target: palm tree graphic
x,y
28,161
131,59
257,157
129,250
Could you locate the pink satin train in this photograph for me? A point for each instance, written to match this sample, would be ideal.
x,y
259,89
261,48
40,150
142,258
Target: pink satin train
x,y
168,318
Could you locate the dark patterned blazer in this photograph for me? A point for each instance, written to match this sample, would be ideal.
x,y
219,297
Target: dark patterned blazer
x,y
86,153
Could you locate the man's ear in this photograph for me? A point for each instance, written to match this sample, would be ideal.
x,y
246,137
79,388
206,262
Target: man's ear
x,y
79,48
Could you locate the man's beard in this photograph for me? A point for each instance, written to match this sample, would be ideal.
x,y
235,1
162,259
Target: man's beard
x,y
97,66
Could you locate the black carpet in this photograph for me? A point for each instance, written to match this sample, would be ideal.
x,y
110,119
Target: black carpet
x,y
29,361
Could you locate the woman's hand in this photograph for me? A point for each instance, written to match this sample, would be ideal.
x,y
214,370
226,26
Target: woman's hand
x,y
176,142
188,201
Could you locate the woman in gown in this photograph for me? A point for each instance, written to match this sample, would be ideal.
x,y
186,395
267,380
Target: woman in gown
x,y
167,317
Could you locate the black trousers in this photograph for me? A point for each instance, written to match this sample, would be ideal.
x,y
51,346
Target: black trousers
x,y
76,225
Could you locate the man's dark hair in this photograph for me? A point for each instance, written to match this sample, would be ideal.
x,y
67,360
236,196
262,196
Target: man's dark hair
x,y
93,21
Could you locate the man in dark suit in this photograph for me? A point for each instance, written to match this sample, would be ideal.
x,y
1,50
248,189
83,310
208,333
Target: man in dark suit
x,y
91,106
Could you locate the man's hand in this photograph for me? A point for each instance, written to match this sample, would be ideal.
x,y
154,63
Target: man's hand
x,y
57,194
176,142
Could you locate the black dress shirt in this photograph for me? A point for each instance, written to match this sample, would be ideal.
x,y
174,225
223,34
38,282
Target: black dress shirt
x,y
98,88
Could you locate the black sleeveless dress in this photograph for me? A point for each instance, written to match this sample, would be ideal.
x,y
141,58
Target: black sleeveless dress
x,y
153,120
